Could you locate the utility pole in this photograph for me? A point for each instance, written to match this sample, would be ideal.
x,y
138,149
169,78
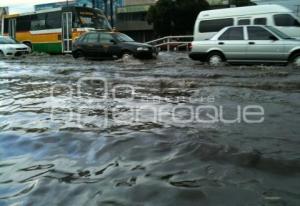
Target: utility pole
x,y
105,7
3,11
112,13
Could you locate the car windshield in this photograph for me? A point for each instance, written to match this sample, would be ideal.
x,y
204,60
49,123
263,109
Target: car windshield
x,y
7,40
123,38
279,33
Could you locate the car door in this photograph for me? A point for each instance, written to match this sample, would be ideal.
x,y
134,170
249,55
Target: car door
x,y
108,44
91,45
263,45
233,44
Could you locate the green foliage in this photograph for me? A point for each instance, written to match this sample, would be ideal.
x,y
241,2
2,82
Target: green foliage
x,y
243,2
171,17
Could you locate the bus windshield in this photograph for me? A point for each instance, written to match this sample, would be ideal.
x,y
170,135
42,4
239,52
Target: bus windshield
x,y
92,19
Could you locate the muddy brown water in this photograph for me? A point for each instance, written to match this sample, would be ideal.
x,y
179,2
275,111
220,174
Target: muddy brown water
x,y
81,132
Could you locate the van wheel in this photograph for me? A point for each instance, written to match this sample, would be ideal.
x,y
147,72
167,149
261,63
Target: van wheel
x,y
295,60
215,59
1,55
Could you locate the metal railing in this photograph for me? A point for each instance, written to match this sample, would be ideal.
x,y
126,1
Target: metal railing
x,y
172,43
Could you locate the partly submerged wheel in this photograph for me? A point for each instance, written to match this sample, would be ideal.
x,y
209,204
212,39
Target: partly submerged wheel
x,y
295,60
78,54
215,59
126,55
1,55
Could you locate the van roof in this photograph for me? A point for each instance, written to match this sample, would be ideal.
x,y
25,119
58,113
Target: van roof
x,y
243,11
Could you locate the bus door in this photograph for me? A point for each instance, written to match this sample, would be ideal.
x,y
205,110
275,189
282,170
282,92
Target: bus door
x,y
12,28
67,32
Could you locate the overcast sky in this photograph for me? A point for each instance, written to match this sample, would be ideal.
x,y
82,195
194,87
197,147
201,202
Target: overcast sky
x,y
17,6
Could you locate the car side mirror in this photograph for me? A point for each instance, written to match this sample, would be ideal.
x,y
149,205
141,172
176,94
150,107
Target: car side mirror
x,y
113,41
273,38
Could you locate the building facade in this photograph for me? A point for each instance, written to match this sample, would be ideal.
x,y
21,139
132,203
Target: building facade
x,y
132,19
40,7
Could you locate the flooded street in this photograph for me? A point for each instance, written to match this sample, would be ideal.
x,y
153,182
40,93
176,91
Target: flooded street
x,y
142,133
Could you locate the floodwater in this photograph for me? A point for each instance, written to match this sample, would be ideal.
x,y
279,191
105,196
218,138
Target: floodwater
x,y
142,133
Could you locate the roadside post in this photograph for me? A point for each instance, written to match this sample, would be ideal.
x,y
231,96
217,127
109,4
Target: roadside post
x,y
3,12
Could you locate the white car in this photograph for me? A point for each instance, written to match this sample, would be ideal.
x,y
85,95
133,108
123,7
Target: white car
x,y
248,44
11,48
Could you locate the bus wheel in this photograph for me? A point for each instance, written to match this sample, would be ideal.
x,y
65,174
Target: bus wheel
x,y
78,54
27,43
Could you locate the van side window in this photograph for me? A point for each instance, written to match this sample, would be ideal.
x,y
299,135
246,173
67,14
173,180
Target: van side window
x,y
258,33
260,21
285,20
214,25
236,33
244,22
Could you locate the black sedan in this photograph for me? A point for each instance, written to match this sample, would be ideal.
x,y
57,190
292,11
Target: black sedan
x,y
100,44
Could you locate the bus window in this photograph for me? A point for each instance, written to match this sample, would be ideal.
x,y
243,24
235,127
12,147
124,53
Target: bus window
x,y
23,23
38,22
53,20
285,20
214,25
260,21
244,22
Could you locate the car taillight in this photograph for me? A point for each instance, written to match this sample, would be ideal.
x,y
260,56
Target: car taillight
x,y
190,45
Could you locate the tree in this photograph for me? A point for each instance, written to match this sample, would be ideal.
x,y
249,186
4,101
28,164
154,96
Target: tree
x,y
175,16
243,2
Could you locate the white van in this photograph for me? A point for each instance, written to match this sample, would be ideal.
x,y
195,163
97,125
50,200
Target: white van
x,y
209,22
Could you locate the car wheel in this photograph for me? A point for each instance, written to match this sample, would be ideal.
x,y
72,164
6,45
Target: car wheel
x,y
127,54
295,60
1,55
215,59
78,54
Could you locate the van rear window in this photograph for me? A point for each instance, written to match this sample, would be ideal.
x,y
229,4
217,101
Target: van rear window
x,y
214,25
285,20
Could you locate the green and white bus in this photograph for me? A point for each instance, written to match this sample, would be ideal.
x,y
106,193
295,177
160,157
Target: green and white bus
x,y
53,31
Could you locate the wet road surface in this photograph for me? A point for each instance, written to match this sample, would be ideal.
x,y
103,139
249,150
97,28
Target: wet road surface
x,y
133,132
